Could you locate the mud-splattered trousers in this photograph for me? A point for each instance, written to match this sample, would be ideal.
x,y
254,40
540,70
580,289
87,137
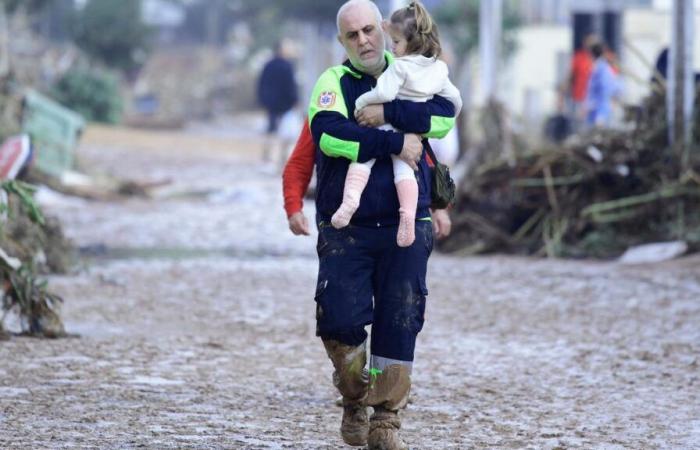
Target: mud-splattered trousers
x,y
365,278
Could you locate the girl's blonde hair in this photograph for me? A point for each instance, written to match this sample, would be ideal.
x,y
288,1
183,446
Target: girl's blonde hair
x,y
419,30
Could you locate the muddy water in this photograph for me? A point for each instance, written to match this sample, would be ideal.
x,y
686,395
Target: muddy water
x,y
197,331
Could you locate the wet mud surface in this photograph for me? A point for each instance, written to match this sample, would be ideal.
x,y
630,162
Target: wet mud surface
x,y
196,323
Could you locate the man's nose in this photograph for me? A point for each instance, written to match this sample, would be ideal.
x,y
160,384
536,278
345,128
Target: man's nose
x,y
362,38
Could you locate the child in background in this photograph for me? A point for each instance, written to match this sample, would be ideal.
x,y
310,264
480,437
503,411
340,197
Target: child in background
x,y
603,87
416,74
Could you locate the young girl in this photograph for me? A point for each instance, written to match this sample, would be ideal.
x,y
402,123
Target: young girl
x,y
416,74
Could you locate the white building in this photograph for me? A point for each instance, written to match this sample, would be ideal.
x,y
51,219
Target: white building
x,y
637,29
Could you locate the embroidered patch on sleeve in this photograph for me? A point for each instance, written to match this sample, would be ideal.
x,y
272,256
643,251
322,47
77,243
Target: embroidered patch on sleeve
x,y
326,99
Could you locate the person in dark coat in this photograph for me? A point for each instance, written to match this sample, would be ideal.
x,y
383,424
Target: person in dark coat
x,y
277,94
277,90
662,67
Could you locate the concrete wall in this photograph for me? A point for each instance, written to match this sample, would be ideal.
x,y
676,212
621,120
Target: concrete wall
x,y
529,81
649,31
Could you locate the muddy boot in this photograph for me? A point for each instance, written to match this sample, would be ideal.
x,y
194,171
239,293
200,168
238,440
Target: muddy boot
x,y
354,427
388,394
350,377
384,431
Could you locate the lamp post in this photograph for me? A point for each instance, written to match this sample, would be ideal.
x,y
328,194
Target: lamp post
x,y
680,91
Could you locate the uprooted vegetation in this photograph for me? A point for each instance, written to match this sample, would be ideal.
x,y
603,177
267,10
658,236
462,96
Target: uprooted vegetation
x,y
593,196
31,246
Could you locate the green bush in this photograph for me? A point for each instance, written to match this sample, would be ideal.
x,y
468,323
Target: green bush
x,y
93,94
113,33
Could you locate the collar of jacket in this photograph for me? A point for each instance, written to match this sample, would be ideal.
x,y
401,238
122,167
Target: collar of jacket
x,y
388,57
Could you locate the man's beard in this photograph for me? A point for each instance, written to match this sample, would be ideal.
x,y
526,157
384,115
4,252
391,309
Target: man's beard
x,y
375,69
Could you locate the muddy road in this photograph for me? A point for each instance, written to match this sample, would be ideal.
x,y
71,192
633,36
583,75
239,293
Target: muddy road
x,y
196,321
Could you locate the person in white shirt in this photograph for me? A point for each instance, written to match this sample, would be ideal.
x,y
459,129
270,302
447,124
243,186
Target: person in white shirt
x,y
416,74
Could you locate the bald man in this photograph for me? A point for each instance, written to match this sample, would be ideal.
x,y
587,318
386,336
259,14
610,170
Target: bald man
x,y
364,277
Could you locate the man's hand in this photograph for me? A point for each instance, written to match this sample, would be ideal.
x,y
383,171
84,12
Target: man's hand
x,y
442,224
370,116
412,150
298,224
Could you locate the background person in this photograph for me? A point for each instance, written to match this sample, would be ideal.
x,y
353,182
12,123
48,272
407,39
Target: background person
x,y
277,93
603,86
580,73
296,177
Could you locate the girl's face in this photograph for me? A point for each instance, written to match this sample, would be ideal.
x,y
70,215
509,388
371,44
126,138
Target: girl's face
x,y
398,41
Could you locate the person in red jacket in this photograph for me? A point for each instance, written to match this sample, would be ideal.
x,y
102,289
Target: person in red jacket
x,y
295,181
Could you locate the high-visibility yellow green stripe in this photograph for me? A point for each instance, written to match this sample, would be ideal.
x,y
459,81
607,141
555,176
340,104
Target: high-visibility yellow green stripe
x,y
335,147
330,82
389,57
440,126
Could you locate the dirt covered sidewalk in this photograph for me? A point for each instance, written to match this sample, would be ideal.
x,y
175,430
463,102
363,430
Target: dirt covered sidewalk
x,y
196,316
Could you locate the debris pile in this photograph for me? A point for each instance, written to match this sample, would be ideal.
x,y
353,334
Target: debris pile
x,y
594,196
36,246
30,245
